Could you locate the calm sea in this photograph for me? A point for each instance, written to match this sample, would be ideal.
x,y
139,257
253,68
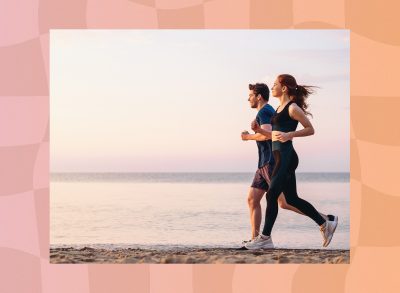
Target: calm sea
x,y
165,210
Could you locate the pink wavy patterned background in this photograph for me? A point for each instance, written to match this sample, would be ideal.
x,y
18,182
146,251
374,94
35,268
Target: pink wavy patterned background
x,y
24,145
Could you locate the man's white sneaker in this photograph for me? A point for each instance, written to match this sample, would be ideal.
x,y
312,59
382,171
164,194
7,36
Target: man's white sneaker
x,y
260,242
327,231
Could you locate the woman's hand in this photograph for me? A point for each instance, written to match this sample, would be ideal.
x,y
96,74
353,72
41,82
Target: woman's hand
x,y
255,126
283,136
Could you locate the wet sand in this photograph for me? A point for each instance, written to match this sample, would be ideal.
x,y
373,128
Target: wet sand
x,y
198,256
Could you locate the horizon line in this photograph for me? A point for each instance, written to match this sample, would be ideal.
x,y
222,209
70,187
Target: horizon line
x,y
180,172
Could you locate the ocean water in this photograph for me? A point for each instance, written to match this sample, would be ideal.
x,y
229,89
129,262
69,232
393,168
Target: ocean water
x,y
166,210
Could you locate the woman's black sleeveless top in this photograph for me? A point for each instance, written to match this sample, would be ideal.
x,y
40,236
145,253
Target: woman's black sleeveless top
x,y
282,121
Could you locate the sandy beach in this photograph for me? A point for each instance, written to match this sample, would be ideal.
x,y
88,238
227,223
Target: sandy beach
x,y
198,256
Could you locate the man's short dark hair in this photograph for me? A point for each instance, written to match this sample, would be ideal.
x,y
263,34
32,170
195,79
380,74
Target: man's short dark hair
x,y
260,88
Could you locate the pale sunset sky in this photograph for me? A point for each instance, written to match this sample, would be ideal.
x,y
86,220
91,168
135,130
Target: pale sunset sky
x,y
176,100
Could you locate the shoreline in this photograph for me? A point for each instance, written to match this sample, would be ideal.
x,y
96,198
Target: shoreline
x,y
198,256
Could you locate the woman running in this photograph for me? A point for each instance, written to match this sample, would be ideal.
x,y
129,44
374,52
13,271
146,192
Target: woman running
x,y
291,111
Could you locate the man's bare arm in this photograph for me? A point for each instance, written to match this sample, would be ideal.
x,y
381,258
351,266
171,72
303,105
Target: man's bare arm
x,y
263,132
256,136
265,129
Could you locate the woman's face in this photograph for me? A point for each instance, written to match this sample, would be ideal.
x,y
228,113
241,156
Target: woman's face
x,y
276,89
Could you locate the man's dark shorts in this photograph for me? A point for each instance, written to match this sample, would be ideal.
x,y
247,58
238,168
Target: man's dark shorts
x,y
262,178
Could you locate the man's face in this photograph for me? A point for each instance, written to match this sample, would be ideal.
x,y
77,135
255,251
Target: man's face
x,y
253,99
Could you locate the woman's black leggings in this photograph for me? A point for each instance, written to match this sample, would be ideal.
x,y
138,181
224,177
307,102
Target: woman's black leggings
x,y
284,180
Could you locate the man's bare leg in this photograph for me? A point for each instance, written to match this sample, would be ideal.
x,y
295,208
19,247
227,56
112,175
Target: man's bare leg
x,y
254,200
284,205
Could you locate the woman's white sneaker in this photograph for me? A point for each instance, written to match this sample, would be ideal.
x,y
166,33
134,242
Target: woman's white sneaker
x,y
327,231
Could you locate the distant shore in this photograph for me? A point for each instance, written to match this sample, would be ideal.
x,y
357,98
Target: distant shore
x,y
198,256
